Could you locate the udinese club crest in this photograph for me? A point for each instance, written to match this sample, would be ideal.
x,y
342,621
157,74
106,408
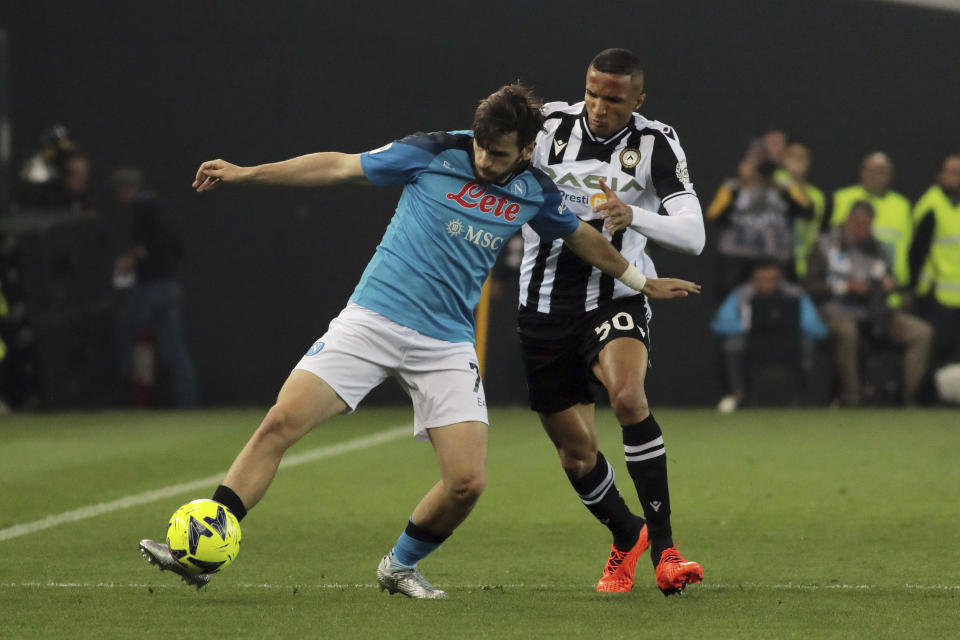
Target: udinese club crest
x,y
630,157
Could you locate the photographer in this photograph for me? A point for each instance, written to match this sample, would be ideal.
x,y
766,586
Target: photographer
x,y
755,213
56,177
850,276
892,224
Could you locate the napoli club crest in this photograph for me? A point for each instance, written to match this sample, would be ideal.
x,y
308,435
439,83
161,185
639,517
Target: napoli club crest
x,y
316,348
518,187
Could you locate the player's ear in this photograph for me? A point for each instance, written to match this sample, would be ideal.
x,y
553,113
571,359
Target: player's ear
x,y
527,151
640,100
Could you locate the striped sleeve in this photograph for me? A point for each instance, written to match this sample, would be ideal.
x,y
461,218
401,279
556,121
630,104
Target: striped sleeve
x,y
668,165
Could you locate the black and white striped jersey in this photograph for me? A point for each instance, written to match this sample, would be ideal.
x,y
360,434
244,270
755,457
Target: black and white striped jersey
x,y
643,163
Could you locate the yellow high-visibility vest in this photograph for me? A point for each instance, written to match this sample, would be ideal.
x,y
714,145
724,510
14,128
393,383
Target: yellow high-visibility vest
x,y
807,232
941,271
892,223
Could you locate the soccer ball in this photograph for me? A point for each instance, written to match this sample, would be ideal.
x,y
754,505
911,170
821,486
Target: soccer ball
x,y
204,536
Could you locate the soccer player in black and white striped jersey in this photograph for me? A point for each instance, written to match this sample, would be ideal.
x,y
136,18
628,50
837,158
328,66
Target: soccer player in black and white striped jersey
x,y
616,170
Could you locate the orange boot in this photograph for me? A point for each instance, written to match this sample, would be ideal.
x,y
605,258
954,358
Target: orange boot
x,y
674,572
618,574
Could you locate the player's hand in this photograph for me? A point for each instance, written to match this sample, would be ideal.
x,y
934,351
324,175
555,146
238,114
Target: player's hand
x,y
660,288
212,172
616,214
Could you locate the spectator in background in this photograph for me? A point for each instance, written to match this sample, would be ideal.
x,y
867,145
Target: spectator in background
x,y
774,143
755,216
935,259
72,191
765,313
147,274
892,226
849,274
40,174
69,191
806,231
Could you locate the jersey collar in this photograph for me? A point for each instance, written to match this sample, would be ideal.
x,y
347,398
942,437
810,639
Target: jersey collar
x,y
585,127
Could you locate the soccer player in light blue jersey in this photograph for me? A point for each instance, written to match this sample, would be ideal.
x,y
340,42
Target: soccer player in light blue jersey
x,y
411,315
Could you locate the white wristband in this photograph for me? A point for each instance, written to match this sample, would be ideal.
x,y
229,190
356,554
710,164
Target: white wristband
x,y
633,278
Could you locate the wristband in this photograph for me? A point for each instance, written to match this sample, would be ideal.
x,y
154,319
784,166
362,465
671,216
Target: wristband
x,y
633,278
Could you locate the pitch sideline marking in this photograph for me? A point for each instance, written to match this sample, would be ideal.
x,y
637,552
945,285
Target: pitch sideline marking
x,y
147,497
789,586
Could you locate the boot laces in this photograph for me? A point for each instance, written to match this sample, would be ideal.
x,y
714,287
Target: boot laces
x,y
672,556
616,559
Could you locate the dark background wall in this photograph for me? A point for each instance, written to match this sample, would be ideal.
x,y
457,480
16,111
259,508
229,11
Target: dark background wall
x,y
166,85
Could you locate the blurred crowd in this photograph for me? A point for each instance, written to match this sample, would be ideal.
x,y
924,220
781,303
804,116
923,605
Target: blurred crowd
x,y
45,243
845,296
861,274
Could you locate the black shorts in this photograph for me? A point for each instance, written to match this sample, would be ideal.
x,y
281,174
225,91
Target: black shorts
x,y
559,352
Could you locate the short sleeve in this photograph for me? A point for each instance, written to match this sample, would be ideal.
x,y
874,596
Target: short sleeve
x,y
396,163
554,219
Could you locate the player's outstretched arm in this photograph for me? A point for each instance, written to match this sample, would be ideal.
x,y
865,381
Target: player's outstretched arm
x,y
312,170
592,247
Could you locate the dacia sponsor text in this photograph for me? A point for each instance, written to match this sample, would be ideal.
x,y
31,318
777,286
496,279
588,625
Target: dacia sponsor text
x,y
591,182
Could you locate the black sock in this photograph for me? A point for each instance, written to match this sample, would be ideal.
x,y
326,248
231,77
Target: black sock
x,y
647,464
419,533
225,496
600,495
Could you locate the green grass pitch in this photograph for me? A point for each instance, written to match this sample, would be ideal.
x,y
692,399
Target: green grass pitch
x,y
809,524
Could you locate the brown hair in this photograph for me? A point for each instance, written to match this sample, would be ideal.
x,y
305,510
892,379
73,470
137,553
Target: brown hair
x,y
512,107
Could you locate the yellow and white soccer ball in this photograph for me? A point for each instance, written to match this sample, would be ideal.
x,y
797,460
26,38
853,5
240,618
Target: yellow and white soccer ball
x,y
204,536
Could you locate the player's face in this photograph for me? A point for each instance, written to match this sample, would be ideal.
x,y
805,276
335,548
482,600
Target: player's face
x,y
611,100
498,160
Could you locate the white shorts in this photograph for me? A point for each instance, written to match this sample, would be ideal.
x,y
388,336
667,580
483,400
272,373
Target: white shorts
x,y
361,348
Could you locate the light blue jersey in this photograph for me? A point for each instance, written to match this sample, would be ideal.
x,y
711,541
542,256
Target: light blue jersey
x,y
447,230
